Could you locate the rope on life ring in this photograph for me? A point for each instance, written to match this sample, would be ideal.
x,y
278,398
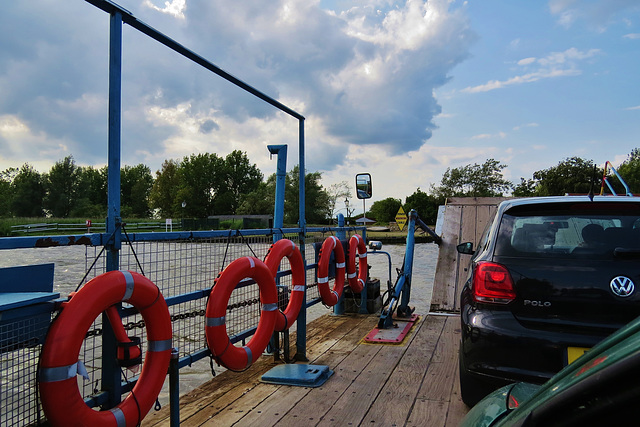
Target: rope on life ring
x,y
59,364
228,355
357,247
287,248
331,296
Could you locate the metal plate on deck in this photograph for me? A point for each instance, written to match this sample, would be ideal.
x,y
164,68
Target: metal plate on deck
x,y
394,335
301,375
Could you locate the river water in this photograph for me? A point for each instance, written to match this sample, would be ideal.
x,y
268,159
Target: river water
x,y
70,267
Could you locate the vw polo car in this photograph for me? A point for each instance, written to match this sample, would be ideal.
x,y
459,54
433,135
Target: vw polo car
x,y
551,277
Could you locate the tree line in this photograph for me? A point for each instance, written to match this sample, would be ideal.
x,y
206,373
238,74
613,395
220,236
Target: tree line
x,y
197,186
573,175
206,184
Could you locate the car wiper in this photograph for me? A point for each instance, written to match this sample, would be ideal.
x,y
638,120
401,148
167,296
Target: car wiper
x,y
626,253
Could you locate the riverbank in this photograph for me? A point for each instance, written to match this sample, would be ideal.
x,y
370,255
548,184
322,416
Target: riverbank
x,y
398,237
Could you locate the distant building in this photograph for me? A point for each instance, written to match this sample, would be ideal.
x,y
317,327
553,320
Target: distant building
x,y
365,221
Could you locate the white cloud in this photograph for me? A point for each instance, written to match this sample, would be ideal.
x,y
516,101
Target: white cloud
x,y
364,76
528,125
527,61
637,107
489,135
632,36
556,64
598,14
175,8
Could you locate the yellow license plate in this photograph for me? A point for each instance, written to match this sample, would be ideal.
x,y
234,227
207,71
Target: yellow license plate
x,y
574,352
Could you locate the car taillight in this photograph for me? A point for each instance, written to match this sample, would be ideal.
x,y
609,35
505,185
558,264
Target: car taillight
x,y
492,283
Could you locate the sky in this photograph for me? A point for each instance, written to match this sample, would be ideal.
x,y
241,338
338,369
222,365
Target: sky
x,y
403,90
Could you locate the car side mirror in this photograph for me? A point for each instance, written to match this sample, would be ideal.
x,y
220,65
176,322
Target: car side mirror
x,y
363,186
465,248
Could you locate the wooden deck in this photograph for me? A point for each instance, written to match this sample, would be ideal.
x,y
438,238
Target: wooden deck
x,y
410,384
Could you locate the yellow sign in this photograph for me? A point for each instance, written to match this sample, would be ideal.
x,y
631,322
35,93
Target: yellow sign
x,y
401,218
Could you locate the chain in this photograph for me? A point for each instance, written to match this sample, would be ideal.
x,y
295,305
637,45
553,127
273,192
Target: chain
x,y
141,323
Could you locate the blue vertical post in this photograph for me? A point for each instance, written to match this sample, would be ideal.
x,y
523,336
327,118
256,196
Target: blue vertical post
x,y
281,174
111,382
278,223
301,331
402,289
408,263
341,234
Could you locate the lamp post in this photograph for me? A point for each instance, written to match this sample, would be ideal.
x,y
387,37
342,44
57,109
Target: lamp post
x,y
346,204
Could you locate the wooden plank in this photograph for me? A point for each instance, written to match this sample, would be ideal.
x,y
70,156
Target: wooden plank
x,y
364,389
320,400
438,382
224,386
445,276
438,402
373,384
397,397
476,201
273,409
237,409
235,397
432,413
457,409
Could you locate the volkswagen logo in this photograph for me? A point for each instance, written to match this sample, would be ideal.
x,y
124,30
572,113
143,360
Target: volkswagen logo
x,y
622,286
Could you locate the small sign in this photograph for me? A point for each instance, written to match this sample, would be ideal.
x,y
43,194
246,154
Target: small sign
x,y
401,218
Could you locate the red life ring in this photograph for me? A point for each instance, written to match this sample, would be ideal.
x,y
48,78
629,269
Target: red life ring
x,y
280,249
357,247
331,297
228,355
59,365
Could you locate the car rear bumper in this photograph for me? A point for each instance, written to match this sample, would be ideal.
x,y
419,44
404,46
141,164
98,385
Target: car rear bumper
x,y
496,348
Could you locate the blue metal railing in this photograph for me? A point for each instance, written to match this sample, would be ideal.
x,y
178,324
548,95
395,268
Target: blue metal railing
x,y
115,241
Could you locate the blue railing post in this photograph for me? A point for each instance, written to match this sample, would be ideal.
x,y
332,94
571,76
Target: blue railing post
x,y
301,331
339,309
111,382
281,174
408,262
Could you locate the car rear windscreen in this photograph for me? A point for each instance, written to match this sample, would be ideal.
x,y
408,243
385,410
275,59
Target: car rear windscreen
x,y
569,230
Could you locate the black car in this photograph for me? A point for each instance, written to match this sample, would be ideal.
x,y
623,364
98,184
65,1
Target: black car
x,y
550,278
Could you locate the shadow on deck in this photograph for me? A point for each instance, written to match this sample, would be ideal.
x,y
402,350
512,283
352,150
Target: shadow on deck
x,y
409,384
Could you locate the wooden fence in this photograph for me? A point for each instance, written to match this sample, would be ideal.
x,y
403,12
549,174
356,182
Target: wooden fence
x,y
465,219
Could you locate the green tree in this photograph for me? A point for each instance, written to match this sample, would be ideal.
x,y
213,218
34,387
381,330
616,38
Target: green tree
x,y
385,210
260,201
135,186
425,204
91,200
526,188
338,192
475,180
629,170
316,198
164,193
239,177
60,185
573,175
6,195
28,192
201,176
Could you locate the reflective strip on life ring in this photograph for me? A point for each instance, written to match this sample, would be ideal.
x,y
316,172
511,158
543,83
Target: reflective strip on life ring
x,y
61,399
228,355
286,248
331,297
357,247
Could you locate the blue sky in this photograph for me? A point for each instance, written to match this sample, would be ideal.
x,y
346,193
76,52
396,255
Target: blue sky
x,y
401,89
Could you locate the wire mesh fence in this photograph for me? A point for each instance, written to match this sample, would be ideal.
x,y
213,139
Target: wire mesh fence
x,y
184,271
